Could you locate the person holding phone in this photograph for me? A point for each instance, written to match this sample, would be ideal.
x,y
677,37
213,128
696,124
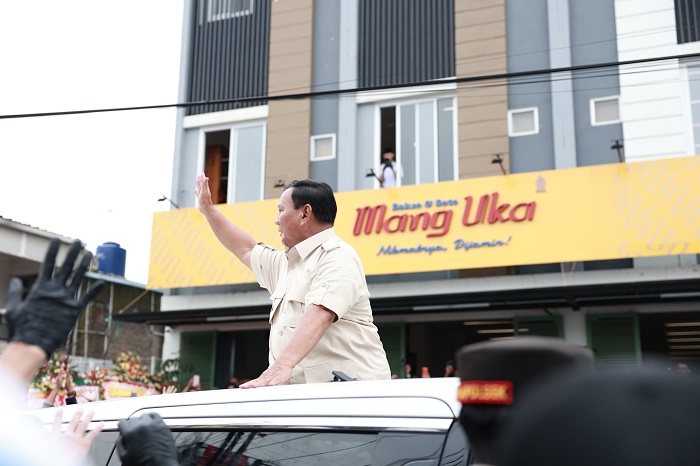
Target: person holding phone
x,y
390,171
193,385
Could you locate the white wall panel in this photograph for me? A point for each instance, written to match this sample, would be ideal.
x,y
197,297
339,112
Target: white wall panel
x,y
663,72
641,7
656,147
650,109
653,98
651,92
662,43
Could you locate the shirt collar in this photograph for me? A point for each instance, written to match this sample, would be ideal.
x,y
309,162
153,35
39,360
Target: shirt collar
x,y
307,246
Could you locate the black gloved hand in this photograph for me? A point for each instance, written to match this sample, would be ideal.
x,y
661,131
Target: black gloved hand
x,y
146,441
50,310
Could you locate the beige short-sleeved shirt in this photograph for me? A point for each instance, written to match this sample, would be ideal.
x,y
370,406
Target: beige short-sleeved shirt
x,y
326,271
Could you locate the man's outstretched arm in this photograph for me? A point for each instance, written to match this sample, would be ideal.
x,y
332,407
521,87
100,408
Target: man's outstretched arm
x,y
234,238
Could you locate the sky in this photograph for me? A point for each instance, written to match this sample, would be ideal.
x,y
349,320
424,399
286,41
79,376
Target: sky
x,y
94,177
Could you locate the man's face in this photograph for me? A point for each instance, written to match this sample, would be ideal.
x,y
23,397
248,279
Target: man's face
x,y
288,220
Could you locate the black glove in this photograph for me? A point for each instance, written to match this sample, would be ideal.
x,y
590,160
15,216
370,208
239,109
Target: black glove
x,y
146,441
50,310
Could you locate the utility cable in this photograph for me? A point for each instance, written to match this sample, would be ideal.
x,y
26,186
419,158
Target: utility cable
x,y
314,94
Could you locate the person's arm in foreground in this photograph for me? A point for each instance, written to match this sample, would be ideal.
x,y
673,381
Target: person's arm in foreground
x,y
234,238
312,326
75,441
39,325
41,322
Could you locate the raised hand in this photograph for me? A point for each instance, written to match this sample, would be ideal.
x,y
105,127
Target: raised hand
x,y
49,312
76,440
203,193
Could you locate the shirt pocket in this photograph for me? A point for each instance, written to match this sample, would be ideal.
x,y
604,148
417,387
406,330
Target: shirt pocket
x,y
277,297
294,309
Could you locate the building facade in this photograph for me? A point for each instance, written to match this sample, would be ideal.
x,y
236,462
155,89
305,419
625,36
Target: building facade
x,y
475,99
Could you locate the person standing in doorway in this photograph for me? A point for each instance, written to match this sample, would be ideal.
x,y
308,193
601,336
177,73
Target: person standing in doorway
x,y
390,171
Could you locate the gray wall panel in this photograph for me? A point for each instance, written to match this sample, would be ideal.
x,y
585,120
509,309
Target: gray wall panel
x,y
528,49
326,171
326,63
593,40
347,108
229,58
405,41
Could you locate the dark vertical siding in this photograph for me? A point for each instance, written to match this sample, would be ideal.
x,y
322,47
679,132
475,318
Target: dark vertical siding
x,y
687,20
229,59
405,41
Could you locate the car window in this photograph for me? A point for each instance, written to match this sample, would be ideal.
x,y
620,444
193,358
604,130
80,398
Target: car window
x,y
102,448
456,448
260,448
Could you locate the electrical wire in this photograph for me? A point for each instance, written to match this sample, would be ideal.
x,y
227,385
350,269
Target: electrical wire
x,y
511,78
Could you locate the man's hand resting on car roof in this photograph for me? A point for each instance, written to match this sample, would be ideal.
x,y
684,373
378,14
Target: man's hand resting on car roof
x,y
276,374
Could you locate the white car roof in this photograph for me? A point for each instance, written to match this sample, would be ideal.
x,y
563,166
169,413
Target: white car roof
x,y
408,403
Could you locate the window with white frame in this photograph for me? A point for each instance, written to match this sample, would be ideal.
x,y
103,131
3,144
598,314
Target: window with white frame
x,y
523,122
322,147
234,162
418,134
605,111
224,9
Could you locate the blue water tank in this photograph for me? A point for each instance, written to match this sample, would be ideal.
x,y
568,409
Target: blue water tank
x,y
111,259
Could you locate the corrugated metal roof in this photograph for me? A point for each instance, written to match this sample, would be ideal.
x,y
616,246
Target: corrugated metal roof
x,y
15,225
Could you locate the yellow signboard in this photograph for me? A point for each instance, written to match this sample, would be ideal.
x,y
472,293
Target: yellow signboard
x,y
590,213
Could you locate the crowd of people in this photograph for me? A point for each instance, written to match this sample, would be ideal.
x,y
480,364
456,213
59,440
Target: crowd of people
x,y
408,373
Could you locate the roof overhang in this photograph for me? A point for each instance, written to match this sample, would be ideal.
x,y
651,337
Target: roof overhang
x,y
554,297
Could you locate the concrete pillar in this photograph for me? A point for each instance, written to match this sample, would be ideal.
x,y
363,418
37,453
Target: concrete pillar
x,y
575,327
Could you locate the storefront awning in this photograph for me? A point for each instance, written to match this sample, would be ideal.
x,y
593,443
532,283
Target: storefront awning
x,y
573,297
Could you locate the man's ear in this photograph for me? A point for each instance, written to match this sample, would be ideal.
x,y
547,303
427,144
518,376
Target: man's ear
x,y
306,212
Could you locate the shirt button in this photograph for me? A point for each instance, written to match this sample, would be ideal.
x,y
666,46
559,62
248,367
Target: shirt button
x,y
324,284
280,332
291,268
